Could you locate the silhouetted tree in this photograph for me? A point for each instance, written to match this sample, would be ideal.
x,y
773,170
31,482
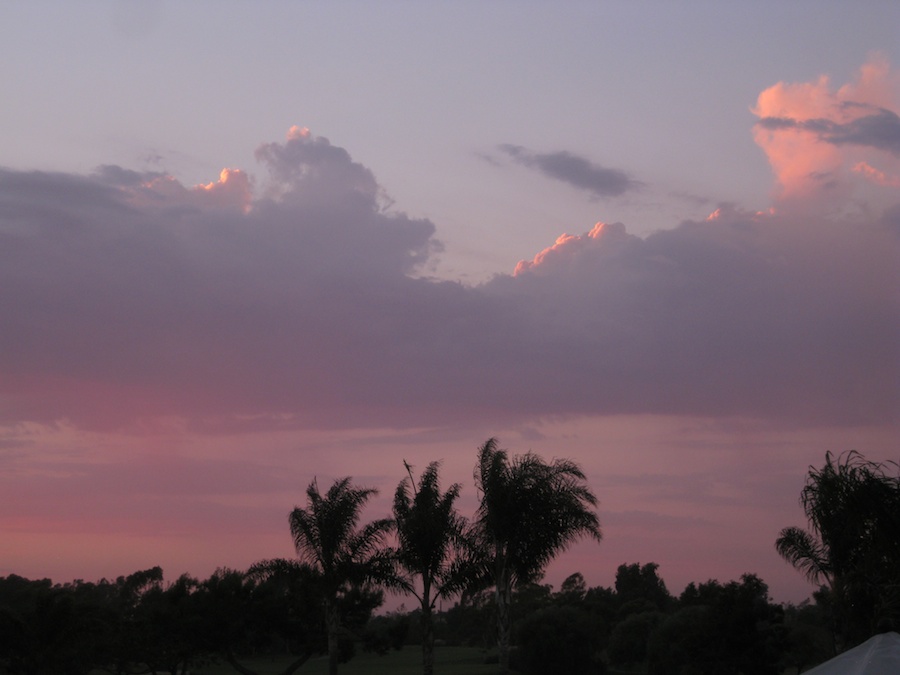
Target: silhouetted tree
x,y
529,511
572,589
472,621
326,538
527,599
274,605
45,630
640,589
853,544
432,549
601,603
170,627
808,640
129,642
729,629
558,640
383,633
629,639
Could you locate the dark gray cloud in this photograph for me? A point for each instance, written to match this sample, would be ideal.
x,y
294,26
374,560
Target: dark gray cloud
x,y
574,170
124,296
879,129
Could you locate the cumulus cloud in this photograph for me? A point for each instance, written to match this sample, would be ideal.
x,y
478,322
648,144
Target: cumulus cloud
x,y
573,169
566,251
129,297
732,315
817,137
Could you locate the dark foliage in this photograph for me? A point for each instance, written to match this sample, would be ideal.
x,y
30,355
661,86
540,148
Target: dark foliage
x,y
529,511
852,545
629,639
720,630
558,640
324,602
346,558
639,589
435,557
384,633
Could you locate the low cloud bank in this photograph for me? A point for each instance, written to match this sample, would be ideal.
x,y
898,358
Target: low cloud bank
x,y
127,296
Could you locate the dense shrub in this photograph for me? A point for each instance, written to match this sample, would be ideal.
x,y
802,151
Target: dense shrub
x,y
629,639
558,640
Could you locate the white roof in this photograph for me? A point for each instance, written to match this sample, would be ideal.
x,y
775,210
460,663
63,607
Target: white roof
x,y
879,655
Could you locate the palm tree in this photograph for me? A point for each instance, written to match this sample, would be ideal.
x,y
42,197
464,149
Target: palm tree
x,y
432,547
327,539
529,512
853,544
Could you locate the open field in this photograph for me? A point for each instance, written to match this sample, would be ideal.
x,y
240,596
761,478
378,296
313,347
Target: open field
x,y
408,661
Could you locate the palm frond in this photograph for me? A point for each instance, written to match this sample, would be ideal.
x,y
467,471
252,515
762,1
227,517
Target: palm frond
x,y
531,510
805,553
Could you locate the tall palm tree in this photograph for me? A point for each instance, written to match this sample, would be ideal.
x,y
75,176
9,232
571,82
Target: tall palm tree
x,y
326,537
853,544
431,547
529,512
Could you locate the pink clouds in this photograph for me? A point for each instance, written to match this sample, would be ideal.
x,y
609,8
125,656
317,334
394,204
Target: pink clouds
x,y
747,315
178,362
568,246
134,296
232,189
297,132
876,176
129,298
816,138
290,302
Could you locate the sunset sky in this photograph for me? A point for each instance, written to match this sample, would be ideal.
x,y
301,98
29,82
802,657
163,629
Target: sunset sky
x,y
246,245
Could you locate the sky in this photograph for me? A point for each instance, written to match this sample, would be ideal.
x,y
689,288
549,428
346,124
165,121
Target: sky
x,y
245,246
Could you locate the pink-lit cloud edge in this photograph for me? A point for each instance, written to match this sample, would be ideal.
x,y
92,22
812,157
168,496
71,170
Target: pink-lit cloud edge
x,y
178,362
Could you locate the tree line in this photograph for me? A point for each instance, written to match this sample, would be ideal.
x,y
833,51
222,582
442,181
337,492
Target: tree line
x,y
490,568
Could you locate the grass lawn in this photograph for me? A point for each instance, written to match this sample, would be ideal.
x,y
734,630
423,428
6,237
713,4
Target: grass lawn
x,y
408,661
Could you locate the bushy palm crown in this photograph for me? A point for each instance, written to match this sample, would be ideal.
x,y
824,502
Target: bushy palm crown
x,y
326,537
531,510
430,533
853,509
853,545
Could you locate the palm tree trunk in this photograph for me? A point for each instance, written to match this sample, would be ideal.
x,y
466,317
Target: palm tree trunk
x,y
504,592
427,639
333,622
